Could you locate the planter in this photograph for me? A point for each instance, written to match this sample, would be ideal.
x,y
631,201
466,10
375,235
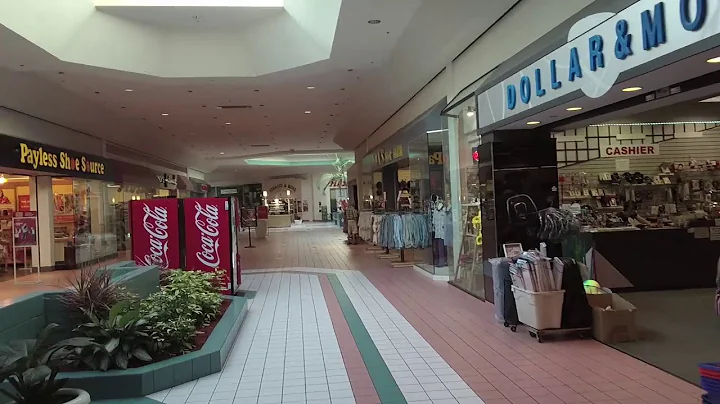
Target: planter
x,y
74,396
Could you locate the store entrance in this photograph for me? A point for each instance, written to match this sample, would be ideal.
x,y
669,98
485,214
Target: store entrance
x,y
646,187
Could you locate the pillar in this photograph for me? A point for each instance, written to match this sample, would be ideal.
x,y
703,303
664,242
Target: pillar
x,y
42,201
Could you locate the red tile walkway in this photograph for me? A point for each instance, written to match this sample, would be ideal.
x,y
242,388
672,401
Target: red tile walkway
x,y
500,366
360,381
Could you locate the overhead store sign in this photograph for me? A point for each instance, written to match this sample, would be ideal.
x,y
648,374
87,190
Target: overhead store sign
x,y
631,151
383,156
593,61
25,155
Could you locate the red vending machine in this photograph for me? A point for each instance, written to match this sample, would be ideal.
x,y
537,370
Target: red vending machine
x,y
211,239
155,233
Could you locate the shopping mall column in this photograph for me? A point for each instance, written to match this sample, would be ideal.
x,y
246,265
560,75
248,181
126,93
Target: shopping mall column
x,y
390,181
41,200
522,166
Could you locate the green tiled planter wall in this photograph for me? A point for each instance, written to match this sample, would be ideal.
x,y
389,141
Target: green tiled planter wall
x,y
156,377
26,316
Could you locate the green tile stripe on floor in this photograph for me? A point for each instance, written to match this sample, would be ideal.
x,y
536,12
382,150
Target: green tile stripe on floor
x,y
388,391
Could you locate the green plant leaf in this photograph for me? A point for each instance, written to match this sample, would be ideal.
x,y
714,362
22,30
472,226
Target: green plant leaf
x,y
142,354
36,375
112,345
103,361
121,360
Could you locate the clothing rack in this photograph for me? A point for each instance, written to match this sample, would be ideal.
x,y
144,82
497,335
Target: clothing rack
x,y
397,232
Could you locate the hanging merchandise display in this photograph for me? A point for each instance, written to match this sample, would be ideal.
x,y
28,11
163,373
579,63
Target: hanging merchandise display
x,y
402,231
441,229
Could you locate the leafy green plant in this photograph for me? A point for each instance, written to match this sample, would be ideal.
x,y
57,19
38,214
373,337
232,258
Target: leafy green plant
x,y
195,293
124,335
188,300
93,291
31,366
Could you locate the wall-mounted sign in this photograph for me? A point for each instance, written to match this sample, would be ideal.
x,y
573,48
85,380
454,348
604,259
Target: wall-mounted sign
x,y
436,158
282,186
631,151
22,154
228,191
23,203
384,156
167,180
593,61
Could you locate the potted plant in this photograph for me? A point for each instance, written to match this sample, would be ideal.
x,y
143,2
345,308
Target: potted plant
x,y
31,367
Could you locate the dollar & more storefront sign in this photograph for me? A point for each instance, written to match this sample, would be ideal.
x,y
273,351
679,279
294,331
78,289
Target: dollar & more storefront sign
x,y
26,155
596,55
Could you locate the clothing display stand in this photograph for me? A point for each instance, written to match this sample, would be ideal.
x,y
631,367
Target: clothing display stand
x,y
402,263
470,235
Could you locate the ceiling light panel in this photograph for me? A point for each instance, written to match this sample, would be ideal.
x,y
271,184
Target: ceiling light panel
x,y
189,3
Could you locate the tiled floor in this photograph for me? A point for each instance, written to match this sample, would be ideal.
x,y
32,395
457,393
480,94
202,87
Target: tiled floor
x,y
439,344
52,280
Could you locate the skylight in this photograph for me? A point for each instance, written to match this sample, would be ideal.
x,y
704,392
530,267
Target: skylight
x,y
189,3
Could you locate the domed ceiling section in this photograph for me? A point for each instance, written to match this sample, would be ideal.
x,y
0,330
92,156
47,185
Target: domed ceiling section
x,y
180,38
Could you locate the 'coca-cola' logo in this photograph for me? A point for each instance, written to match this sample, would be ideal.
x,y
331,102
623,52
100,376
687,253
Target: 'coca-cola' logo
x,y
155,223
206,221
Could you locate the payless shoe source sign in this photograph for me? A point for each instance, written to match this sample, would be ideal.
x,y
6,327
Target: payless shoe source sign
x,y
596,55
22,154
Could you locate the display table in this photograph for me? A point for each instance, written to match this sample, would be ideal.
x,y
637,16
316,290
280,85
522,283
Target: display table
x,y
278,221
647,260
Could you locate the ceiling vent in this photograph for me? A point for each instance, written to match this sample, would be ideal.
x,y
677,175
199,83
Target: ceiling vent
x,y
259,145
235,106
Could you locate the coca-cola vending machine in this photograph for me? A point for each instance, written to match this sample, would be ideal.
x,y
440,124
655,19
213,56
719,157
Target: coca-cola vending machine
x,y
211,239
155,237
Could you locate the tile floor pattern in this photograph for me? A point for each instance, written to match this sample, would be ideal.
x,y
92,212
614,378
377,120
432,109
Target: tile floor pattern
x,y
287,351
499,366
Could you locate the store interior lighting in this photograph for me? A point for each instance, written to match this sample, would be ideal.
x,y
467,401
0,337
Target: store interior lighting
x,y
3,180
264,194
656,123
631,89
470,111
288,192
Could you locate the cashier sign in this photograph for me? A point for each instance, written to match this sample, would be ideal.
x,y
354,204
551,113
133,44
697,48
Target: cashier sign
x,y
639,150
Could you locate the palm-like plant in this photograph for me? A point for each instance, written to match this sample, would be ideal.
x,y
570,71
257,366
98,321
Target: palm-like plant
x,y
337,177
31,366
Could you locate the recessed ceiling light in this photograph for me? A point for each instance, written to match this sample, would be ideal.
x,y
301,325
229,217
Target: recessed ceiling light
x,y
222,152
128,90
228,123
631,89
574,109
311,88
165,114
714,60
534,123
374,22
308,112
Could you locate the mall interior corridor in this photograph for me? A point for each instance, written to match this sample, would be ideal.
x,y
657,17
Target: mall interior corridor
x,y
331,323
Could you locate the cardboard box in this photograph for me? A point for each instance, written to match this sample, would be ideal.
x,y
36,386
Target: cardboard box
x,y
616,325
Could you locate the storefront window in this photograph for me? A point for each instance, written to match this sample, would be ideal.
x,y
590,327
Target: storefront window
x,y
84,222
14,197
466,196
